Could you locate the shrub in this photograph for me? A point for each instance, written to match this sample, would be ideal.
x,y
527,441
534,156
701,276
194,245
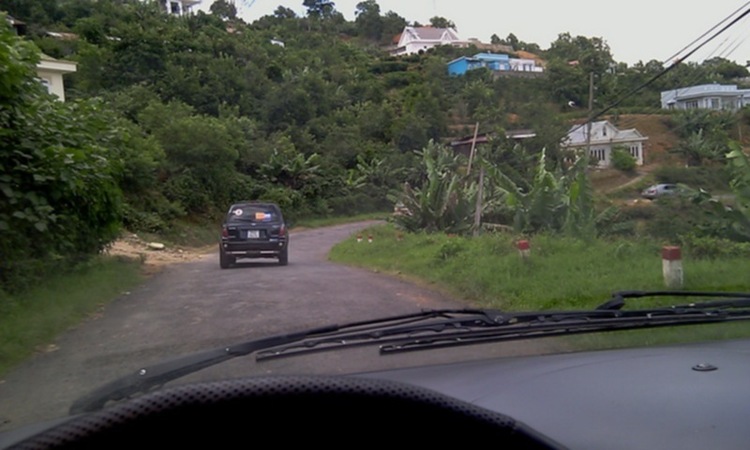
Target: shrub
x,y
623,161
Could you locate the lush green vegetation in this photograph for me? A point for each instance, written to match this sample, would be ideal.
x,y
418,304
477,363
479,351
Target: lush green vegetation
x,y
561,273
170,118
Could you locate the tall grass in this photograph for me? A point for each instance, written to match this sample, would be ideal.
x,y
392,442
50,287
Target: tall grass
x,y
33,319
561,273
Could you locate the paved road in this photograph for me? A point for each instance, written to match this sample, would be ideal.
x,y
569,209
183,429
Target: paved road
x,y
195,306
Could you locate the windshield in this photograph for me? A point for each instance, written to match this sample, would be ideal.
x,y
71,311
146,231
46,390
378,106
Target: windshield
x,y
253,213
186,177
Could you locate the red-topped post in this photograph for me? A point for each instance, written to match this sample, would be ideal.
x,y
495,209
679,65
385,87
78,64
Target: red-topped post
x,y
524,249
671,265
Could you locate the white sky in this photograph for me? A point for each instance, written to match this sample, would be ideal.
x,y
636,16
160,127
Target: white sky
x,y
636,30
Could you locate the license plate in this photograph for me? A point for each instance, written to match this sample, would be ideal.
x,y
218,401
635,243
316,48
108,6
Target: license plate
x,y
253,234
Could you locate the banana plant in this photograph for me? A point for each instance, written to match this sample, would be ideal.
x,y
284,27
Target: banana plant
x,y
445,200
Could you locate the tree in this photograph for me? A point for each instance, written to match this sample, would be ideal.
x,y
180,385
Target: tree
x,y
368,21
224,9
442,22
592,54
512,40
282,12
319,8
59,199
393,24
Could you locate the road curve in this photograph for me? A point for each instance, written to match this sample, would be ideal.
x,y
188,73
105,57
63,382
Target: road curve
x,y
196,305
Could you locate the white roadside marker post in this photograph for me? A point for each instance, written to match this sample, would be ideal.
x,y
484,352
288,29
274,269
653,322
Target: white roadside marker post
x,y
671,265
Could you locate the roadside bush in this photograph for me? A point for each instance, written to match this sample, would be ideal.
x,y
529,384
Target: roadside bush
x,y
450,249
707,247
356,203
59,198
623,161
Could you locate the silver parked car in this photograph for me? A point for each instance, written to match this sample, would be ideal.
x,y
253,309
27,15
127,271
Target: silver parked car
x,y
660,190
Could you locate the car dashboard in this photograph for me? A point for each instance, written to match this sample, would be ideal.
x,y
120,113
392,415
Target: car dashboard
x,y
683,396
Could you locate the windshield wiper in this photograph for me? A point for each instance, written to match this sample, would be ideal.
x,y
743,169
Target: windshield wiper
x,y
435,329
618,298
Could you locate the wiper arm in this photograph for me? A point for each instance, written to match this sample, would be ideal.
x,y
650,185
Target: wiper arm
x,y
150,377
434,329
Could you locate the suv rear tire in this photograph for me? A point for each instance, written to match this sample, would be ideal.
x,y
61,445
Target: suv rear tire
x,y
224,260
284,257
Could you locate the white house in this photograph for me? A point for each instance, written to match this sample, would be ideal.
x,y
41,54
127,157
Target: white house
x,y
524,65
178,7
419,39
706,96
605,137
50,72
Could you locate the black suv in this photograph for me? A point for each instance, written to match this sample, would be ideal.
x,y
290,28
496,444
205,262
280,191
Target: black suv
x,y
253,230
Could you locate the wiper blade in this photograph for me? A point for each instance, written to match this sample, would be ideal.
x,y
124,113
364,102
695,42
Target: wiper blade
x,y
435,329
468,327
618,298
147,378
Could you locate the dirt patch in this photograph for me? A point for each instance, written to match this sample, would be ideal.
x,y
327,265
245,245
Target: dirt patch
x,y
155,255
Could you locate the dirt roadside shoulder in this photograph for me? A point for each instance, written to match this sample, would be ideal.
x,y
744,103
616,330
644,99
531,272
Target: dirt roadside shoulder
x,y
155,255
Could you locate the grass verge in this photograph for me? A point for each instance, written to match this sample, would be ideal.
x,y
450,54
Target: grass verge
x,y
31,320
561,273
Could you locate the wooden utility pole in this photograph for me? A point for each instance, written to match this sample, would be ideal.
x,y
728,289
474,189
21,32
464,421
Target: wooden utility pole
x,y
480,190
473,146
591,114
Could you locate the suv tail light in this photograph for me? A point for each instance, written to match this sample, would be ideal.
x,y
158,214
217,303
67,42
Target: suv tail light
x,y
224,232
282,230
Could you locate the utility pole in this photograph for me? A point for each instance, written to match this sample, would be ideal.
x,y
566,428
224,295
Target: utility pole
x,y
480,190
591,115
473,146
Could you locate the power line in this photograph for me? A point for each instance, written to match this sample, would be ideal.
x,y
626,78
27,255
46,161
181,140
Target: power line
x,y
666,70
676,55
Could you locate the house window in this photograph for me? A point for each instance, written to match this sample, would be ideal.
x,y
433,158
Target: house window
x,y
47,84
715,103
598,154
693,104
604,131
635,152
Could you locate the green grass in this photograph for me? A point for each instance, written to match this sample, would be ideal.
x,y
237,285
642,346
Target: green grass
x,y
561,273
33,319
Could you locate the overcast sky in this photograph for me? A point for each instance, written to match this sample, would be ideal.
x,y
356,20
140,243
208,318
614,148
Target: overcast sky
x,y
636,30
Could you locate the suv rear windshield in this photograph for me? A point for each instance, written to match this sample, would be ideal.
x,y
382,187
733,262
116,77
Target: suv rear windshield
x,y
254,213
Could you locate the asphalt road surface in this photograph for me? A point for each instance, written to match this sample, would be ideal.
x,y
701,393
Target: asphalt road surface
x,y
197,306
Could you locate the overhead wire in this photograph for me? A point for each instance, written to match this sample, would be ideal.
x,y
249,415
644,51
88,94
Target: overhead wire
x,y
676,60
726,48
